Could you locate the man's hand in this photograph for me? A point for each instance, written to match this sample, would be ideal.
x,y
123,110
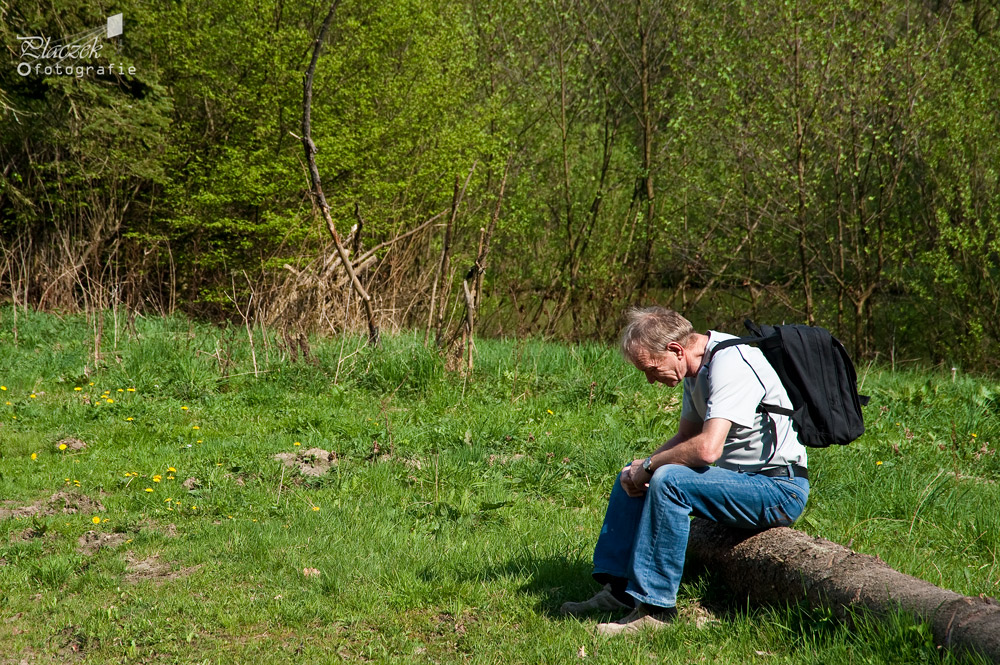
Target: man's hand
x,y
634,479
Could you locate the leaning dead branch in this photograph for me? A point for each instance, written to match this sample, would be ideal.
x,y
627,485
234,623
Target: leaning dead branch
x,y
317,188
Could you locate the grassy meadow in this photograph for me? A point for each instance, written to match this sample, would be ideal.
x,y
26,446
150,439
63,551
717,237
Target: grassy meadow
x,y
421,516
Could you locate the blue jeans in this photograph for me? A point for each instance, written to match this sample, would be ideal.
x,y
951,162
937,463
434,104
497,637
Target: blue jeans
x,y
644,539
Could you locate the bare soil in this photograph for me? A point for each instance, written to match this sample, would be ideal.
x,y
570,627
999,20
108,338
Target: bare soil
x,y
68,503
71,444
93,541
154,569
312,462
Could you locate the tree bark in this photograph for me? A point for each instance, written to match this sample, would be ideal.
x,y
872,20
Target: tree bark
x,y
786,566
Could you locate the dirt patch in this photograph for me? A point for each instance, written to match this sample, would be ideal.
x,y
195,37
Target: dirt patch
x,y
93,541
168,531
71,444
67,503
191,484
73,643
154,569
312,462
700,616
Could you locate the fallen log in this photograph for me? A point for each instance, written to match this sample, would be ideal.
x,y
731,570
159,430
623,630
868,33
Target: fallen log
x,y
782,565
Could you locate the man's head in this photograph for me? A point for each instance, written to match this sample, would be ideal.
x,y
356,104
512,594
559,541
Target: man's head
x,y
656,340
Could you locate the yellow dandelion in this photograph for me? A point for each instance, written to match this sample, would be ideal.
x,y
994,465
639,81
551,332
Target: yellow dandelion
x,y
34,455
195,427
184,408
297,443
878,463
120,390
33,396
315,507
131,390
198,441
3,387
110,401
14,417
129,419
170,477
550,412
62,446
157,478
91,383
8,403
66,479
973,435
96,520
171,469
149,489
194,507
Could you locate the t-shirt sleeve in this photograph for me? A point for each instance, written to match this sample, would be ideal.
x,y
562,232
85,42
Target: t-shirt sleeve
x,y
734,391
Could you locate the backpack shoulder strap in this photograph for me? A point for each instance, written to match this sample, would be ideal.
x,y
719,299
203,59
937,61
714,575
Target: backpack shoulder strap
x,y
725,344
753,339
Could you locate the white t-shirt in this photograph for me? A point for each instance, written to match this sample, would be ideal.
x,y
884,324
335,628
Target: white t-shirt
x,y
732,386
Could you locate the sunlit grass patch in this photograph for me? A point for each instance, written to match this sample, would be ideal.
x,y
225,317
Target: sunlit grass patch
x,y
450,520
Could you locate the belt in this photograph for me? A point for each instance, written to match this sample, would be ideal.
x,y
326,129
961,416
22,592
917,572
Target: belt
x,y
783,472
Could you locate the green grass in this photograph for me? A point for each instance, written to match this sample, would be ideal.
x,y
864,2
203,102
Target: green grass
x,y
460,513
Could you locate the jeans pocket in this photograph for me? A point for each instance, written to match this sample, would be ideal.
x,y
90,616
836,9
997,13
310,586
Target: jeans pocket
x,y
789,510
778,515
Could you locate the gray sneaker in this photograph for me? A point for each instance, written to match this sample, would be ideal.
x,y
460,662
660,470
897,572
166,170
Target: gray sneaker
x,y
602,601
640,619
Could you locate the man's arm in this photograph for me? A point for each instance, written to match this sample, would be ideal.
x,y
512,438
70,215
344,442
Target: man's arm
x,y
695,445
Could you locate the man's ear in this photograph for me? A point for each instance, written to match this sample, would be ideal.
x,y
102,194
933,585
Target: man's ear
x,y
676,348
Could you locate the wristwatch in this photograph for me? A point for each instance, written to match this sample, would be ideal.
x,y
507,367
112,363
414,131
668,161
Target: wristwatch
x,y
646,464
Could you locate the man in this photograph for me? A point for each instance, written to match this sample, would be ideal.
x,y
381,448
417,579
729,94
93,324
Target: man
x,y
758,480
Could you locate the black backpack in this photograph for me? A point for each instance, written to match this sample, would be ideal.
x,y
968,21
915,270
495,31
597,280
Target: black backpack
x,y
819,377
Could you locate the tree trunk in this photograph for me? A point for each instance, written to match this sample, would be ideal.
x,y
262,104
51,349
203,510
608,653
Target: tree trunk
x,y
786,566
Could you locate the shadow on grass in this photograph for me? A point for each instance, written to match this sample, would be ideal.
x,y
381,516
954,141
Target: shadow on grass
x,y
554,580
550,580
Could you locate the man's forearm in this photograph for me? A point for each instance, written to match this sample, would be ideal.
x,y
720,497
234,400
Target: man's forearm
x,y
695,444
671,443
696,451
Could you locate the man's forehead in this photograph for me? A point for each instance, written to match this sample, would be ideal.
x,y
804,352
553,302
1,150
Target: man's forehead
x,y
643,355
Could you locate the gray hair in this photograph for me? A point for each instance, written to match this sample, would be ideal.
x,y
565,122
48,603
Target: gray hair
x,y
652,328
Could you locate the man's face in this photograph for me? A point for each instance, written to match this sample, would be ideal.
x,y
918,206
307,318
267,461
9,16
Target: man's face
x,y
668,367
